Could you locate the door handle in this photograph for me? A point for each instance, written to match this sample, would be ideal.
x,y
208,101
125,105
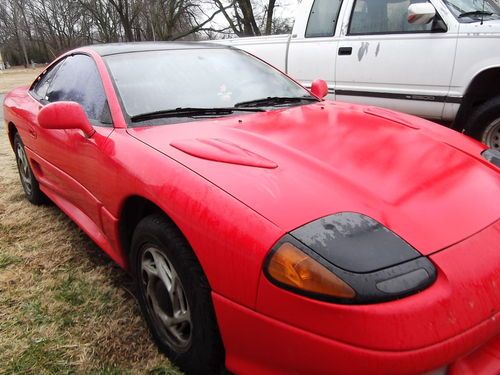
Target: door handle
x,y
345,51
32,132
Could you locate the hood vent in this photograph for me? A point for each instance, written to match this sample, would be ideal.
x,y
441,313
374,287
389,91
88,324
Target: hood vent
x,y
220,150
391,116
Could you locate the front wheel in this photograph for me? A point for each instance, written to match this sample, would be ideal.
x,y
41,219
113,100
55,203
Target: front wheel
x,y
30,184
175,297
485,123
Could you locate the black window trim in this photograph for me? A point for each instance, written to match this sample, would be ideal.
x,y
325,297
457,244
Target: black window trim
x,y
44,102
46,71
336,22
349,33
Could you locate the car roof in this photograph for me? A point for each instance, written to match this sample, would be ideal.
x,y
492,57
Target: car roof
x,y
119,48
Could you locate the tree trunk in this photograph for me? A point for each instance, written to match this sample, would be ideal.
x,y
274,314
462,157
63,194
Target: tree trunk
x,y
269,19
250,27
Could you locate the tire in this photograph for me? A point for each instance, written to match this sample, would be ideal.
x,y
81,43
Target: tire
x,y
28,181
484,123
191,340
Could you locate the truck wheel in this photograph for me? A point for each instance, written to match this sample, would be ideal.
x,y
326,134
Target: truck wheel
x,y
175,297
485,123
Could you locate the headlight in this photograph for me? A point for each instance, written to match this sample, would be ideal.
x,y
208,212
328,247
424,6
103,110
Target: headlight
x,y
493,156
348,258
294,268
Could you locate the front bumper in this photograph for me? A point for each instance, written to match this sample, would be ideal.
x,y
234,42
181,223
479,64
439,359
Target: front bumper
x,y
457,315
256,344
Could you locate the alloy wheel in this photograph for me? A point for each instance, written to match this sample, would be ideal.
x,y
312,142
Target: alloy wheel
x,y
24,169
166,298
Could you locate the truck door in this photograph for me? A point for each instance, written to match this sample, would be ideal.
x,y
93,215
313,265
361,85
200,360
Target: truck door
x,y
313,45
386,61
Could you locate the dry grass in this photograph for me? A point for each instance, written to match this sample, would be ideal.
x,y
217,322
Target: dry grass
x,y
17,77
65,308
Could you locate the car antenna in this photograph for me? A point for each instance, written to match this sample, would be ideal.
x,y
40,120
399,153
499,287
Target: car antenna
x,y
482,14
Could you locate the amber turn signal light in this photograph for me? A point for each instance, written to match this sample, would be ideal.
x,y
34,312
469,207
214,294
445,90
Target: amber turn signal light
x,y
294,268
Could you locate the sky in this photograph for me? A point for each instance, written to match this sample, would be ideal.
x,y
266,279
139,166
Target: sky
x,y
287,7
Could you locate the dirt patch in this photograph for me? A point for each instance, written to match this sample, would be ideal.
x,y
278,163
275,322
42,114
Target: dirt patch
x,y
15,77
65,307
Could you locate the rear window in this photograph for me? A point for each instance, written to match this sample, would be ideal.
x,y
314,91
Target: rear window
x,y
323,18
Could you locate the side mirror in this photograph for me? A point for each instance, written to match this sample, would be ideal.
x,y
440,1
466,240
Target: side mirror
x,y
65,115
319,88
421,13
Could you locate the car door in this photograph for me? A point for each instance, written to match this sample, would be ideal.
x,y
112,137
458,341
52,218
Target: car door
x,y
72,163
42,144
389,62
313,45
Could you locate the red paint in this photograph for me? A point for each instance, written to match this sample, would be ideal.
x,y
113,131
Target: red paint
x,y
319,88
65,115
236,185
423,184
414,322
222,151
485,360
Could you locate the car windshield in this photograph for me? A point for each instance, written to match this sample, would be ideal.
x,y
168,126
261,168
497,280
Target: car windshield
x,y
159,81
473,10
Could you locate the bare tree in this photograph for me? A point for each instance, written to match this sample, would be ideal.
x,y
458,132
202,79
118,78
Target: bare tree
x,y
247,18
269,16
42,29
105,20
128,11
11,18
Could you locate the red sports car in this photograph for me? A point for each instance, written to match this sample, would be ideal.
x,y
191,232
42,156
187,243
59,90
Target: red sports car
x,y
269,231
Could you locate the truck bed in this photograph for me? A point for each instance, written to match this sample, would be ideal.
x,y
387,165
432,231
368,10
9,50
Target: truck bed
x,y
274,47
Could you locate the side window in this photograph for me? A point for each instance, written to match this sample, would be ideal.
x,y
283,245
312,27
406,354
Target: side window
x,y
43,82
386,17
323,18
78,80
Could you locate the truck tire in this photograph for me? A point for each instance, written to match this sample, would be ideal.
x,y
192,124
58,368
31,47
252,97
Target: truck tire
x,y
484,123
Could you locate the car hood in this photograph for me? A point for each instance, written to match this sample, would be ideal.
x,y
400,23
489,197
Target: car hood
x,y
426,183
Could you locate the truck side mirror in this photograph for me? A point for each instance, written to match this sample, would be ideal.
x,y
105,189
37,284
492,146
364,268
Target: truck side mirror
x,y
421,13
319,88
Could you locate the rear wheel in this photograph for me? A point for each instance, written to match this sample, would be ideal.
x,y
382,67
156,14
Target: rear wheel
x,y
175,297
30,184
485,123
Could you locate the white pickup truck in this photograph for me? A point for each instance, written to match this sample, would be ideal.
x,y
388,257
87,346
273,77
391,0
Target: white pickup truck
x,y
438,59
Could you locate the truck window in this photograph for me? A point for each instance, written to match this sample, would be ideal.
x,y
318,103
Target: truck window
x,y
323,18
385,17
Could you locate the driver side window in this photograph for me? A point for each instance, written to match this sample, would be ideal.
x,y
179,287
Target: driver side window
x,y
78,80
41,86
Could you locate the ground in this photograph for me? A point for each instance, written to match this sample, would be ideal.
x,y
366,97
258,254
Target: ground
x,y
17,77
65,307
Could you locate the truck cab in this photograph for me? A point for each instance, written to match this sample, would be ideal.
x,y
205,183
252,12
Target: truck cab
x,y
438,59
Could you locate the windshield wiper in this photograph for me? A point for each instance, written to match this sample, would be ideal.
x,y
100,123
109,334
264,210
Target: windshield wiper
x,y
475,13
276,100
190,112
